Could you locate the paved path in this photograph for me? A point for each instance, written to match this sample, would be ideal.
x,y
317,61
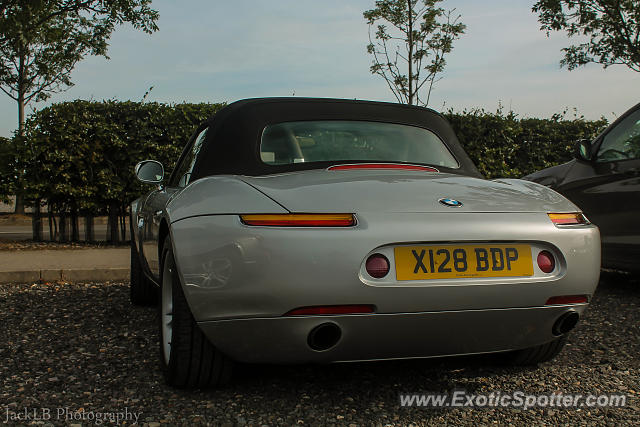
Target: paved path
x,y
60,264
24,232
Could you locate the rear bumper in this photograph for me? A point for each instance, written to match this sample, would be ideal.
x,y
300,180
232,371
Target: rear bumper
x,y
386,336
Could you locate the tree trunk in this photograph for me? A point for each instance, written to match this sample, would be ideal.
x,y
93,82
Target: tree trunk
x,y
63,227
52,223
410,56
123,230
21,117
89,233
36,222
19,208
123,223
75,234
112,223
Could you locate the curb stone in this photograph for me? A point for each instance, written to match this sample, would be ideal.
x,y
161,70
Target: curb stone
x,y
71,275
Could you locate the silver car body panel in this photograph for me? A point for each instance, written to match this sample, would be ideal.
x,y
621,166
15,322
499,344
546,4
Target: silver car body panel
x,y
240,280
230,270
403,191
219,195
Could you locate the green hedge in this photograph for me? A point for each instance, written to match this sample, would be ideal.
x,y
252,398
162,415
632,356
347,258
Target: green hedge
x,y
80,156
508,147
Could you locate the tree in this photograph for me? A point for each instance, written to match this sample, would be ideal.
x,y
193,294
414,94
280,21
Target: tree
x,y
6,169
87,169
41,41
420,36
611,26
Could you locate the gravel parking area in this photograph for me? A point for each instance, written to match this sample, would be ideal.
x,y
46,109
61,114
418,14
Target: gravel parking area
x,y
83,349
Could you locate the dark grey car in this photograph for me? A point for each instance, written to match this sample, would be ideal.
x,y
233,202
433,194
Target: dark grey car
x,y
604,181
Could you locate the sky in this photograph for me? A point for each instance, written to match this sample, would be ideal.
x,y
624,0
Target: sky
x,y
214,51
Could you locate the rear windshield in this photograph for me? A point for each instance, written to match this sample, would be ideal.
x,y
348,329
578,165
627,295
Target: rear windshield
x,y
326,141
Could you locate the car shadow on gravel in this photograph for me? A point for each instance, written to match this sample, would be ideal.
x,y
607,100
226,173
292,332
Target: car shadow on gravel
x,y
84,347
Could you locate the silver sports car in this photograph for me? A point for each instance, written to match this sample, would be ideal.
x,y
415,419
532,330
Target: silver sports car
x,y
320,230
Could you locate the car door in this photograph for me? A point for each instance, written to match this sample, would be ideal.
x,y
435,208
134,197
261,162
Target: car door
x,y
156,201
607,189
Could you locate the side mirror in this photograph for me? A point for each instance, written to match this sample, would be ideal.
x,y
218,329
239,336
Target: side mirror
x,y
582,150
150,172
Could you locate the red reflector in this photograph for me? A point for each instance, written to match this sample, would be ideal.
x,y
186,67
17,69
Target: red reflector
x,y
567,299
383,166
299,220
331,309
377,266
546,262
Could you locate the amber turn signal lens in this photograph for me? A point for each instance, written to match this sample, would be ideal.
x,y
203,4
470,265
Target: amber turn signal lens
x,y
574,218
299,220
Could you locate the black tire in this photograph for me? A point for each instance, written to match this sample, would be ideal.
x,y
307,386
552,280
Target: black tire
x,y
542,353
192,361
142,291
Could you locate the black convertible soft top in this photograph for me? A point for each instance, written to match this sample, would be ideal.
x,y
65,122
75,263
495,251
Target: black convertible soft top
x,y
233,140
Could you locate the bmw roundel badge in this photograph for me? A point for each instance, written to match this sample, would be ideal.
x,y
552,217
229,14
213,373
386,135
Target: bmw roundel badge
x,y
452,203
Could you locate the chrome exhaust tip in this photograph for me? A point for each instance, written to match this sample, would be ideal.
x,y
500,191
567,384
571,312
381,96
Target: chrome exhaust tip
x,y
324,336
565,323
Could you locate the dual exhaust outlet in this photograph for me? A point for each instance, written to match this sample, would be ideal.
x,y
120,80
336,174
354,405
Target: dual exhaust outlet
x,y
326,335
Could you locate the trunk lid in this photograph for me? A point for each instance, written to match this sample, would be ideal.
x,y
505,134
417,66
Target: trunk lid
x,y
351,191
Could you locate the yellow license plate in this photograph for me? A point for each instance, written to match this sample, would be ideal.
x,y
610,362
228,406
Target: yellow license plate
x,y
462,261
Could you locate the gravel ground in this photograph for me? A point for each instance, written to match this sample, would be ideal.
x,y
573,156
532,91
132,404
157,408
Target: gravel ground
x,y
83,348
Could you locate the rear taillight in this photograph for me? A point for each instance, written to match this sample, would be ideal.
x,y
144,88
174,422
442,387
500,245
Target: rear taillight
x,y
567,299
546,262
574,218
299,220
377,266
331,309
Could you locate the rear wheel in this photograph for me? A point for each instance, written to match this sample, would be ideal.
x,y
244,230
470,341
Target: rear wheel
x,y
142,291
188,358
538,354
